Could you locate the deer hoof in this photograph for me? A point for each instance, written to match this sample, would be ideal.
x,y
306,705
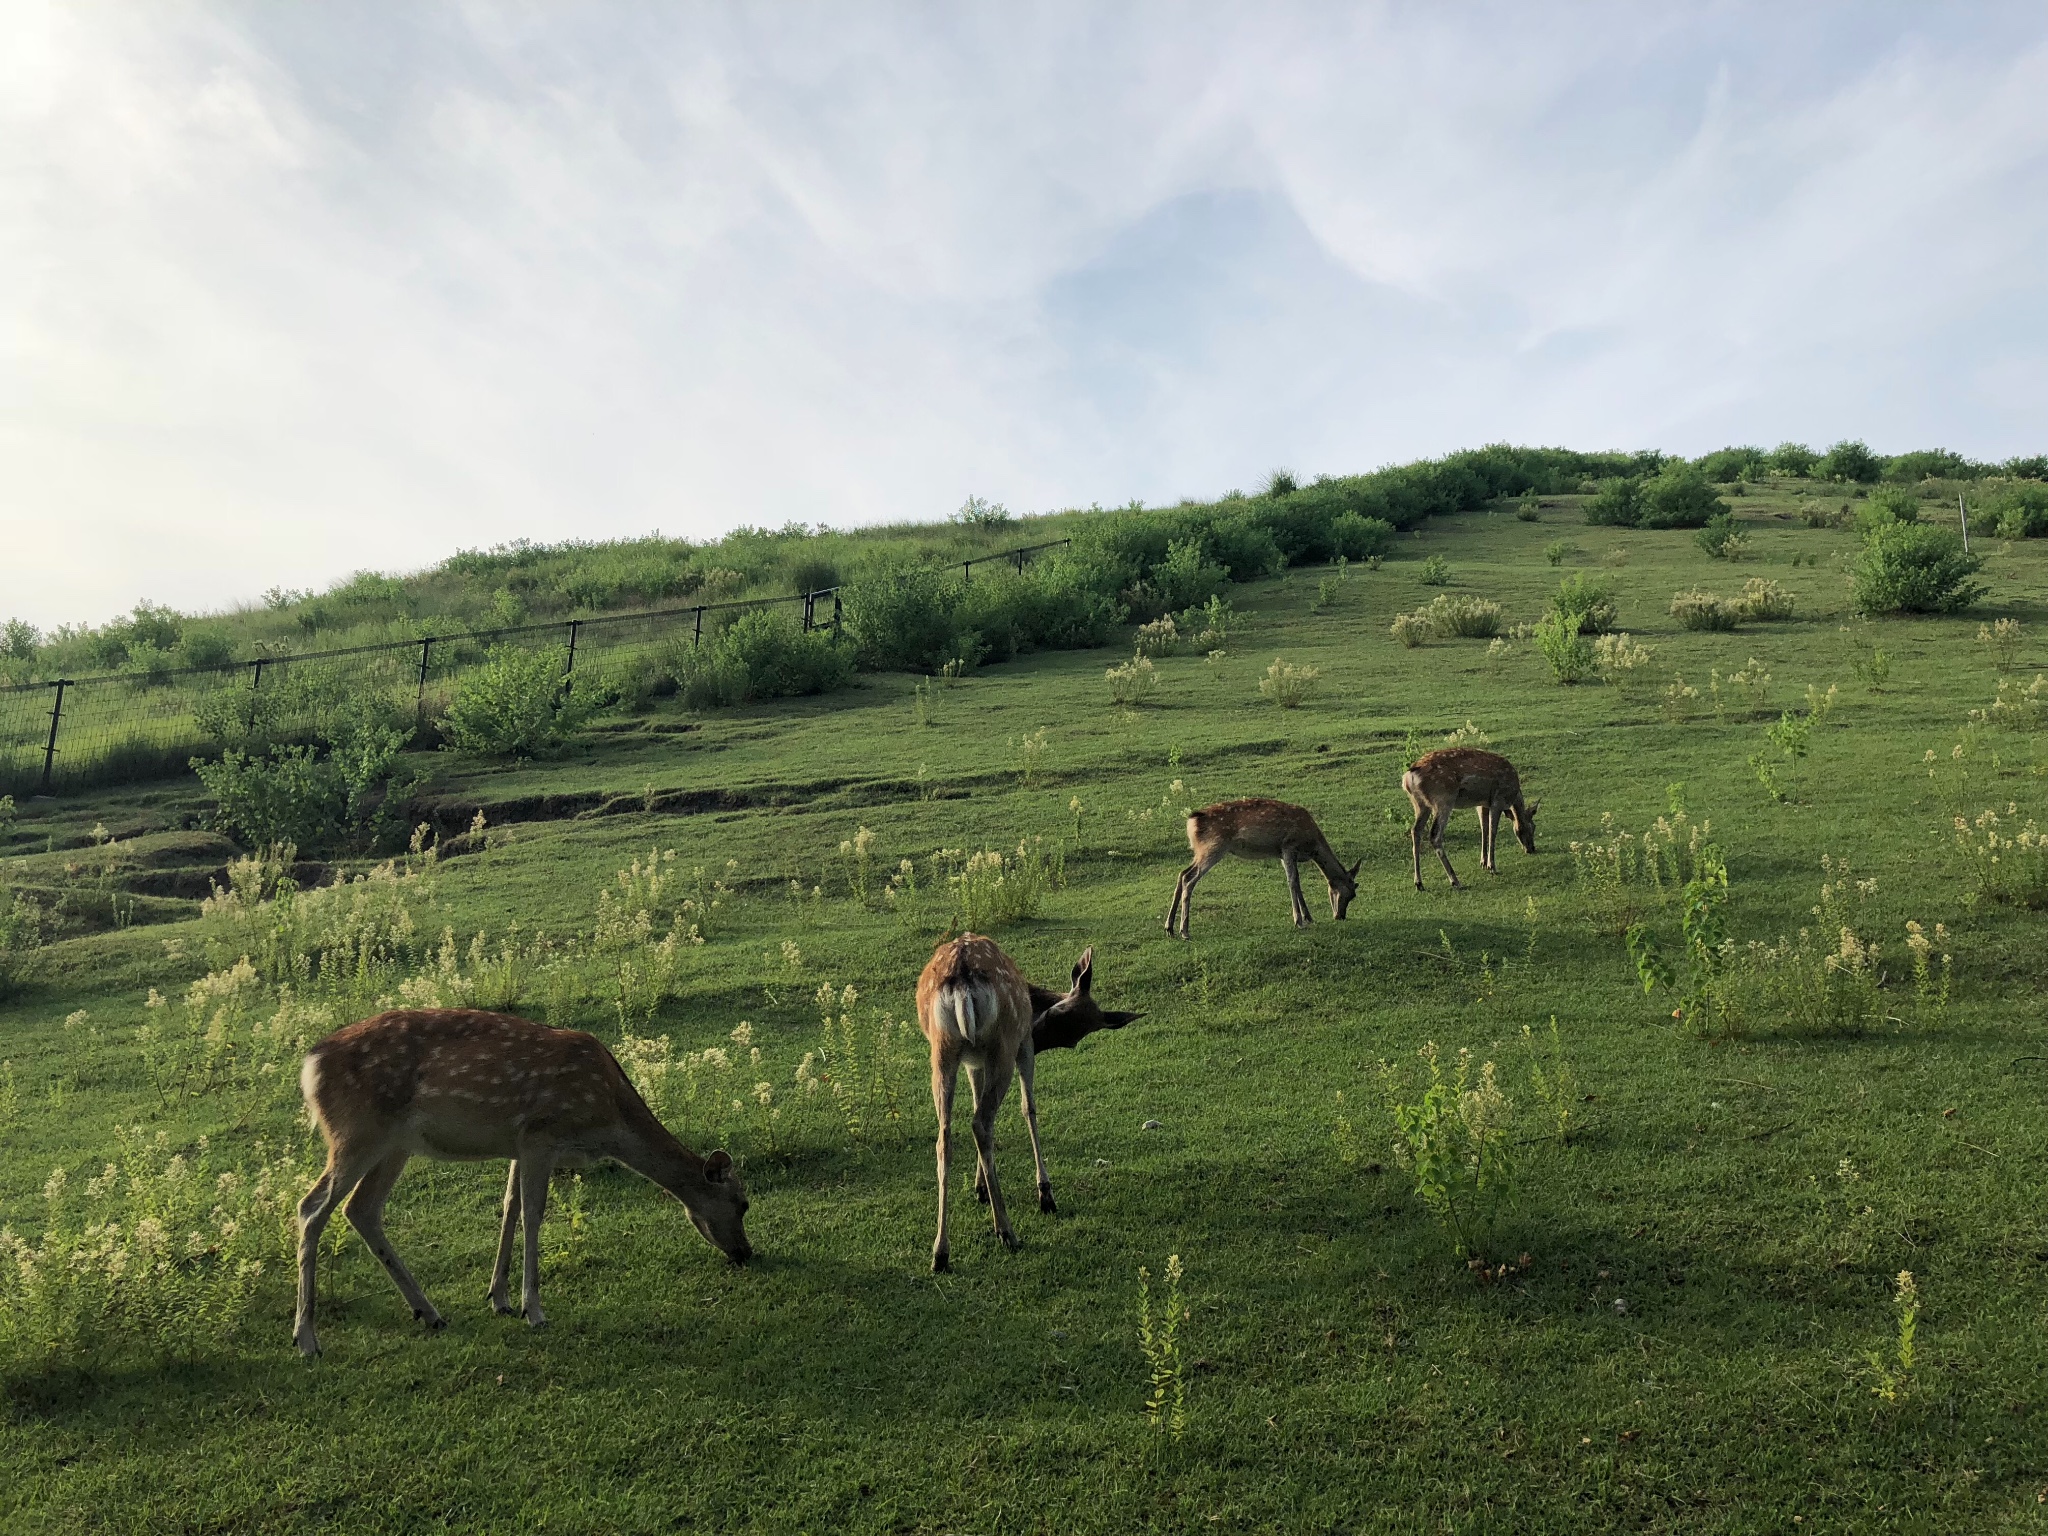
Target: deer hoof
x,y
435,1321
1010,1241
1045,1199
981,1194
941,1262
307,1344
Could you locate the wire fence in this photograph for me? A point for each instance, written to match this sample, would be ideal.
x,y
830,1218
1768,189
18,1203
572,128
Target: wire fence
x,y
75,732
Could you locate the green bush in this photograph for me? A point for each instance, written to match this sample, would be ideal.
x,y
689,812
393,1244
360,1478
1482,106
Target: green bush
x,y
1932,464
1679,497
1564,647
1186,578
515,705
1733,464
1471,618
348,799
1436,571
1793,459
1617,504
1715,536
1888,504
1360,538
21,941
760,655
1851,461
1915,568
2021,511
1587,601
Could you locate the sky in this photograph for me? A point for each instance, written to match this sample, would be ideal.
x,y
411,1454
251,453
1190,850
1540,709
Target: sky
x,y
288,291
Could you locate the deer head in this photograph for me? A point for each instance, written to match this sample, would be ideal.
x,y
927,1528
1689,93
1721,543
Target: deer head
x,y
1341,891
719,1210
1074,1016
1524,818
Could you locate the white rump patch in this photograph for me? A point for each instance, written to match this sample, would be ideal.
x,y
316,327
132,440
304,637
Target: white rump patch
x,y
309,1084
969,1010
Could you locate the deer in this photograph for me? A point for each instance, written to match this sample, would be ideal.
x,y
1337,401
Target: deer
x,y
1261,829
460,1084
977,1011
1441,782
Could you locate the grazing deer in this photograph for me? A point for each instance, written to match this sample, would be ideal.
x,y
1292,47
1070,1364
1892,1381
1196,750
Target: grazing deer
x,y
460,1084
1261,829
977,1011
1439,783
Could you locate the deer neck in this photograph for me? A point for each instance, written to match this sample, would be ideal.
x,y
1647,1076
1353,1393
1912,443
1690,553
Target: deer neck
x,y
651,1151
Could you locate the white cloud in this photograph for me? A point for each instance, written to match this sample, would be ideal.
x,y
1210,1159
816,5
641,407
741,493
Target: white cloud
x,y
287,291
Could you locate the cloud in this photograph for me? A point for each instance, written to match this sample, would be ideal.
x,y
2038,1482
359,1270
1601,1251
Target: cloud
x,y
288,291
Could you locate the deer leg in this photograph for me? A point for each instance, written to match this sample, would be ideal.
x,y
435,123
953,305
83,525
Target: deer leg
x,y
1436,839
980,1168
533,1203
1488,820
1180,891
1192,874
508,1228
365,1211
989,1092
944,1069
1026,1067
1292,866
340,1177
1415,841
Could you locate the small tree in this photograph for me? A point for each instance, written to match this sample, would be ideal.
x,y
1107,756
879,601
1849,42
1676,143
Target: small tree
x,y
517,704
1915,568
1679,497
1793,459
1617,503
1850,460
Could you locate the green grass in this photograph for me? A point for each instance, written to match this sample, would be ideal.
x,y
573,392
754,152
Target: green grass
x,y
1347,1370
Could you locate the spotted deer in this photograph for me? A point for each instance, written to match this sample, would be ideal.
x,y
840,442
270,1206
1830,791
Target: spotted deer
x,y
977,1011
460,1084
1261,829
1439,783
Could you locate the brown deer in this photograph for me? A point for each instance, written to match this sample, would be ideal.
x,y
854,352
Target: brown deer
x,y
977,1011
460,1084
1261,829
1441,782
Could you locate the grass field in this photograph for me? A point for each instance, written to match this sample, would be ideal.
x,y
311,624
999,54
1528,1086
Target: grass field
x,y
1711,1254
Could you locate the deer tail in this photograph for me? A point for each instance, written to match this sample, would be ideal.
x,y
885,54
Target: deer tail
x,y
968,1010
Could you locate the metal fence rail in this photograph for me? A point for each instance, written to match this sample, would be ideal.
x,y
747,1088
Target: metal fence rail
x,y
70,732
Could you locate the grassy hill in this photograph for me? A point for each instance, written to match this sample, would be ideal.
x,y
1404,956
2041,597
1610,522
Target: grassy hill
x,y
1670,1324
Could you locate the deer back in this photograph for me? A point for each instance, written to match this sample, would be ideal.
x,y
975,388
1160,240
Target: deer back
x,y
1254,829
1454,778
972,997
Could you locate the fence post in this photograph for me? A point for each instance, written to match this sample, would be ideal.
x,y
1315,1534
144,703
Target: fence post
x,y
967,570
698,637
419,698
835,610
569,672
255,682
1963,512
810,607
50,749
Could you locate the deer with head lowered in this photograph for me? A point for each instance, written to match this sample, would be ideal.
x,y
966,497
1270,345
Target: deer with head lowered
x,y
461,1084
1261,829
977,1011
1439,783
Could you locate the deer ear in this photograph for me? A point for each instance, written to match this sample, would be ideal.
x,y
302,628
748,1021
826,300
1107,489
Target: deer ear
x,y
717,1166
1353,871
1530,808
1119,1020
1084,970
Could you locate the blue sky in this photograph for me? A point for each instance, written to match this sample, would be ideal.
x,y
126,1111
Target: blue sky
x,y
289,291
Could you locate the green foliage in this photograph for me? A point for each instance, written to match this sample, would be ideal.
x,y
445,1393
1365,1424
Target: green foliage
x,y
1725,464
1361,538
1696,609
1288,685
1585,601
1565,648
1455,1140
1679,497
1719,538
21,940
1793,459
1849,460
1892,1379
350,797
517,704
1915,568
1436,571
1932,464
1132,683
762,654
974,513
1617,504
1888,504
2020,511
1166,1398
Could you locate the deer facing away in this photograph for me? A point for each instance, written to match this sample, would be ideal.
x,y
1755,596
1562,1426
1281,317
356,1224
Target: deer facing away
x,y
1261,829
1439,783
460,1084
978,1012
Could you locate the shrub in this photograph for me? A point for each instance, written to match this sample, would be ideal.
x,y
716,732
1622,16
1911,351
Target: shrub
x,y
1764,600
1915,568
1456,1140
1133,683
902,620
349,798
1161,637
1556,551
1564,647
1186,578
1888,504
1411,629
514,705
1288,685
1821,514
1617,504
1793,459
1587,599
1436,571
2021,511
1679,497
1360,538
2001,641
1618,658
21,940
1528,508
1472,618
975,513
1720,539
760,655
1703,610
1851,461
